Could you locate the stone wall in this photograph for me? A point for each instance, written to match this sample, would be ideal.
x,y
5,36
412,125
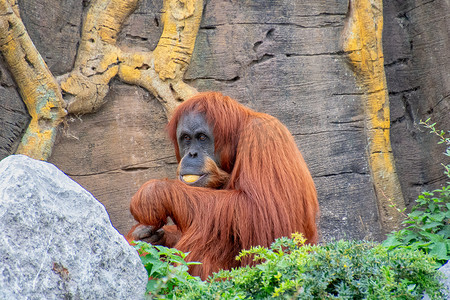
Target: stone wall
x,y
281,57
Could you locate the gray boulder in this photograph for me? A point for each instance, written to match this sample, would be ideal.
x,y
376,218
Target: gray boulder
x,y
445,270
56,240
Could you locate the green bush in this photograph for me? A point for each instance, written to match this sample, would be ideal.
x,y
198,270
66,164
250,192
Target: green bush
x,y
403,267
339,270
428,224
166,268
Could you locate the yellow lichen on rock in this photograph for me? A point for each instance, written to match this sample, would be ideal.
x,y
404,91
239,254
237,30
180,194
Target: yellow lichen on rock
x,y
181,19
135,69
362,43
38,88
14,6
98,61
160,72
98,57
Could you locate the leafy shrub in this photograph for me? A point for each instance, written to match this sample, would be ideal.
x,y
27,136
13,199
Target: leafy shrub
x,y
339,270
166,268
428,224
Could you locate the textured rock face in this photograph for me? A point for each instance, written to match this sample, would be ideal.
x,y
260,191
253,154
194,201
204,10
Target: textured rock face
x,y
57,241
445,269
280,57
416,47
270,56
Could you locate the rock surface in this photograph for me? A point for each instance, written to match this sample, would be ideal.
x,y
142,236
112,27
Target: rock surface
x,y
417,59
57,241
445,269
281,57
270,56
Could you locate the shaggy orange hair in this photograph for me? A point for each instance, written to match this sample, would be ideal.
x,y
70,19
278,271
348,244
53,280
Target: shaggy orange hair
x,y
270,192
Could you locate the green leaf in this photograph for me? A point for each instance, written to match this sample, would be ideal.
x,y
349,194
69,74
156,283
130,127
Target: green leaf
x,y
438,217
415,214
177,259
445,232
432,225
432,207
159,266
439,250
411,287
151,286
435,238
392,242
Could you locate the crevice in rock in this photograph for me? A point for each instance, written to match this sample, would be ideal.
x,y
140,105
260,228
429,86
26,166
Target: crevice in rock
x,y
414,89
262,59
341,174
399,61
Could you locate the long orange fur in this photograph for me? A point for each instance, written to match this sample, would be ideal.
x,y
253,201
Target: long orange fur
x,y
270,192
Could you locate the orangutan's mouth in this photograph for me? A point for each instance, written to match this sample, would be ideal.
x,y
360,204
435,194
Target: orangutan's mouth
x,y
190,178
